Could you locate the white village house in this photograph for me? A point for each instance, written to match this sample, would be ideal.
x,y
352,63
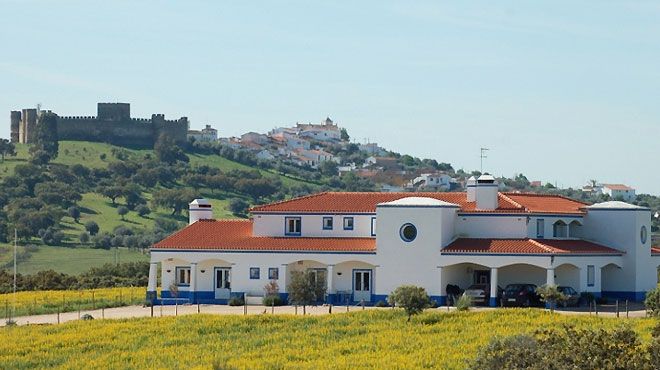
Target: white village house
x,y
364,245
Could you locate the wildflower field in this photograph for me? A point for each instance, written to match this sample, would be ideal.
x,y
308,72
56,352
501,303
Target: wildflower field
x,y
367,339
53,301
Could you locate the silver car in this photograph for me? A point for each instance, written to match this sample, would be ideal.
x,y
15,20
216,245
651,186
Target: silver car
x,y
480,293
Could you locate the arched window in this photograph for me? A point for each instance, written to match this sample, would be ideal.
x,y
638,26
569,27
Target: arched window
x,y
575,229
560,229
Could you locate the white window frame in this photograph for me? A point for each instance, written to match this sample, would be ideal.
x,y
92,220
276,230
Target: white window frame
x,y
186,275
297,231
591,275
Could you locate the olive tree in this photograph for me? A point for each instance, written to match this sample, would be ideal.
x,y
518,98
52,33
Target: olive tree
x,y
412,299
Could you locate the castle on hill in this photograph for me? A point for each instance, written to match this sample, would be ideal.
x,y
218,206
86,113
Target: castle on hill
x,y
113,124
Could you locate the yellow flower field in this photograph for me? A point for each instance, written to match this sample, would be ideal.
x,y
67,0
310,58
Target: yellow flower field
x,y
368,339
52,301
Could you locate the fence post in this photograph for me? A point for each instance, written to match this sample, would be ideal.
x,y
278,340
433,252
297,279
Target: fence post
x,y
330,309
617,308
627,309
362,303
103,312
296,309
58,316
6,309
93,301
152,310
197,307
78,310
272,306
161,307
596,308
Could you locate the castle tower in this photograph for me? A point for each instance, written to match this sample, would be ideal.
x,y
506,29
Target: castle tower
x,y
15,123
27,126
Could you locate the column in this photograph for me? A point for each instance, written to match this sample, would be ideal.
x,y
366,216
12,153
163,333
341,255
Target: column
x,y
151,286
331,284
193,282
282,282
550,276
443,298
492,302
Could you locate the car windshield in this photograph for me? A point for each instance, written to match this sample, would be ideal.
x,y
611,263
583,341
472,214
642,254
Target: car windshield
x,y
514,287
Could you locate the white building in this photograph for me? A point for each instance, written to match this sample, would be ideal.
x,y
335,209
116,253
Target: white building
x,y
254,137
364,245
207,134
436,181
619,191
326,131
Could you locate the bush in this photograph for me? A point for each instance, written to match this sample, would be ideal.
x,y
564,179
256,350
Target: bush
x,y
142,210
652,302
92,227
381,303
236,301
464,302
551,295
412,298
84,238
272,300
86,317
122,211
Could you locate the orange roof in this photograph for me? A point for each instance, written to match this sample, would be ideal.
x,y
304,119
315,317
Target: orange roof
x,y
356,202
655,250
617,187
236,235
527,246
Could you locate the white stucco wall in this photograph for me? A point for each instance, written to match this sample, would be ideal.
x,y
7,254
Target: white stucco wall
x,y
312,225
485,226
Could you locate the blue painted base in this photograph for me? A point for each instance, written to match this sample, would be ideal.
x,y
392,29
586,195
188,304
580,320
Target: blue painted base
x,y
631,296
202,297
492,302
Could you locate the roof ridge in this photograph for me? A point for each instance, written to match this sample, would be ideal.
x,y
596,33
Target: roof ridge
x,y
543,246
252,209
540,195
503,195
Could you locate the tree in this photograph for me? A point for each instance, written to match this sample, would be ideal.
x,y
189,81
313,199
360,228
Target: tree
x,y
112,192
7,148
92,227
344,135
176,199
328,168
84,238
74,213
412,299
167,151
57,193
551,295
305,288
652,303
45,138
142,210
122,211
133,195
238,206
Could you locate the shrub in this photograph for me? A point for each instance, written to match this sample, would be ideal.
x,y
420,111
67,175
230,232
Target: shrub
x,y
84,238
92,227
122,211
514,352
551,295
305,288
236,301
381,303
412,299
143,210
86,317
272,300
464,302
652,302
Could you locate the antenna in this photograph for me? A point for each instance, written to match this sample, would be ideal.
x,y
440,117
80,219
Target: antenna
x,y
482,156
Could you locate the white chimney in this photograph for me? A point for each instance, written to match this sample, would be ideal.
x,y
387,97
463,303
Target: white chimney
x,y
199,209
471,186
486,193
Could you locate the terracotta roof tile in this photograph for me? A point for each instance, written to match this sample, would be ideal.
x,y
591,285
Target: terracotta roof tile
x,y
361,202
236,235
617,187
527,246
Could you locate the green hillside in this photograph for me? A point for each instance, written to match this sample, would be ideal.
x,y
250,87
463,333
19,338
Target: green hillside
x,y
74,257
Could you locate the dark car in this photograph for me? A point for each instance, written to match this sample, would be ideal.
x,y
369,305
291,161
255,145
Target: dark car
x,y
480,293
520,295
572,297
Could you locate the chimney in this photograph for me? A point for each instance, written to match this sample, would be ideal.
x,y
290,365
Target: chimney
x,y
486,193
199,209
471,188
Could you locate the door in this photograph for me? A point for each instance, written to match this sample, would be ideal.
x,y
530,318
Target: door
x,y
362,285
222,283
482,277
319,279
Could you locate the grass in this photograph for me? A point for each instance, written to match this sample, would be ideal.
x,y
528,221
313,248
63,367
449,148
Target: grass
x,y
53,301
367,339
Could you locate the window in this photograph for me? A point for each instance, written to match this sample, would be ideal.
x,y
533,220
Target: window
x,y
182,276
540,228
408,232
273,273
560,229
327,223
373,226
293,226
643,234
254,273
591,275
348,223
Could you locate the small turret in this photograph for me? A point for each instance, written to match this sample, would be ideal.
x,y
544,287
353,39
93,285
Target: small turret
x,y
199,209
471,186
486,193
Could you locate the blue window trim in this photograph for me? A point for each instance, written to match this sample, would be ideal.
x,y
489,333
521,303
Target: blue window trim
x,y
286,226
373,223
331,223
258,273
401,232
270,273
352,223
594,269
176,275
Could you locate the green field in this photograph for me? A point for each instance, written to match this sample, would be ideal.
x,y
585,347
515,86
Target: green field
x,y
378,339
95,207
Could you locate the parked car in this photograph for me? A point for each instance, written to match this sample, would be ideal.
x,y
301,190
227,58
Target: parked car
x,y
572,297
520,295
480,293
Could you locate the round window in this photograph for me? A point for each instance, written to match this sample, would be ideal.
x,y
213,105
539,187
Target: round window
x,y
643,234
408,232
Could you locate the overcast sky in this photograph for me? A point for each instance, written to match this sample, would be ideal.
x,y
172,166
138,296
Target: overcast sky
x,y
561,91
